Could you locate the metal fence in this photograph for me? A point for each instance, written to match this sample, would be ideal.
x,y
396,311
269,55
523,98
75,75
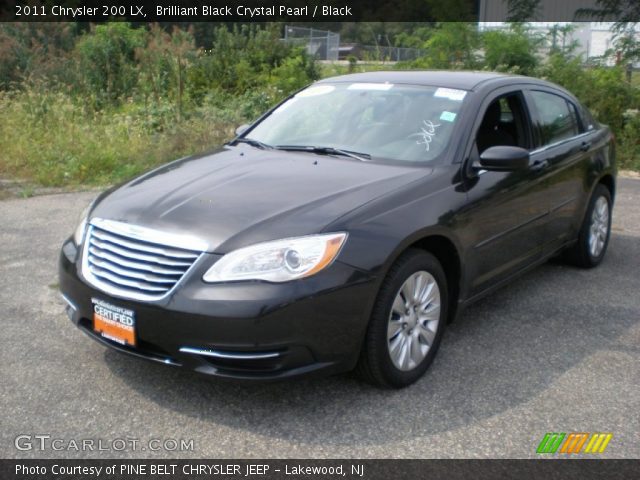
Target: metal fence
x,y
321,44
325,45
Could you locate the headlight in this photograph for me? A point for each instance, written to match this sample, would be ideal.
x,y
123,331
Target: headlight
x,y
278,261
78,235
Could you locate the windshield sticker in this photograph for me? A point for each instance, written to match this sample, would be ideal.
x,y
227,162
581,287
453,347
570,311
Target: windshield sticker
x,y
451,94
427,133
448,116
370,86
316,90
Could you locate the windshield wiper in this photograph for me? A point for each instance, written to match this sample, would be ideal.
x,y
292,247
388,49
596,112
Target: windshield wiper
x,y
363,157
252,142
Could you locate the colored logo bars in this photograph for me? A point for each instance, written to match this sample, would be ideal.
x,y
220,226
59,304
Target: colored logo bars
x,y
573,443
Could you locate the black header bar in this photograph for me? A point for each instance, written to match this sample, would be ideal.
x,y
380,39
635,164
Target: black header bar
x,y
318,10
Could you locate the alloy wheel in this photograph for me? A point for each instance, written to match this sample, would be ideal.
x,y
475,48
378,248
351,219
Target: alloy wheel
x,y
413,321
599,228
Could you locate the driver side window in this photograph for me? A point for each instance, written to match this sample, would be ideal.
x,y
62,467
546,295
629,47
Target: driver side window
x,y
503,123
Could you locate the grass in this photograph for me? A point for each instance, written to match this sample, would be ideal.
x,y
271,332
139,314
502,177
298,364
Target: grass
x,y
53,140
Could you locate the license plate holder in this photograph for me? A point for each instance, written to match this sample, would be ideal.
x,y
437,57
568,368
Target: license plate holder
x,y
114,323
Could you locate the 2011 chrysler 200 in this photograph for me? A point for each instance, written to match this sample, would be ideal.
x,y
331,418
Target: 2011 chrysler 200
x,y
344,228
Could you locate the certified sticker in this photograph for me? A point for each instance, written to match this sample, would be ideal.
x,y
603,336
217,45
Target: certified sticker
x,y
114,323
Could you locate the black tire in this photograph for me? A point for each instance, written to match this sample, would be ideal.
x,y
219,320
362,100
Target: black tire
x,y
375,364
580,253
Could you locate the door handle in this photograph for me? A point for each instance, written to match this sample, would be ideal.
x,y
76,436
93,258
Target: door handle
x,y
539,165
585,146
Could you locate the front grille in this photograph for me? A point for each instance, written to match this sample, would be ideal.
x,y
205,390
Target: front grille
x,y
131,266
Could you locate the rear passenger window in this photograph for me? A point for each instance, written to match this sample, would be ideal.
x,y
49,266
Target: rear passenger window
x,y
558,121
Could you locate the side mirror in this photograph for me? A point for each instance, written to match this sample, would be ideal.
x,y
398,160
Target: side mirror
x,y
241,129
504,158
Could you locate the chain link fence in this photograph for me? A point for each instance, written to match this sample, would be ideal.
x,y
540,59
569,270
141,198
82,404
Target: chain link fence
x,y
325,45
321,44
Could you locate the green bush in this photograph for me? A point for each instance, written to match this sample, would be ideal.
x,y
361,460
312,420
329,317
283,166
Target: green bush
x,y
246,58
107,64
629,141
512,50
133,98
450,45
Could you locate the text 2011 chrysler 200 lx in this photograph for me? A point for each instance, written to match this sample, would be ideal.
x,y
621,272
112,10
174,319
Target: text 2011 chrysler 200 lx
x,y
344,228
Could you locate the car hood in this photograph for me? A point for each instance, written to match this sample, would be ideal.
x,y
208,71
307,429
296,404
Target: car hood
x,y
241,195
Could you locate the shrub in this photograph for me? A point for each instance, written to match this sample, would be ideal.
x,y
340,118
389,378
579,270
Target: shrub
x,y
451,45
107,61
246,58
629,141
512,50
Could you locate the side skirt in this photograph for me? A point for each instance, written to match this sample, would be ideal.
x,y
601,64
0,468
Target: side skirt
x,y
464,303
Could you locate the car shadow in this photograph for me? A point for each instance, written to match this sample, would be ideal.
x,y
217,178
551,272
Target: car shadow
x,y
503,351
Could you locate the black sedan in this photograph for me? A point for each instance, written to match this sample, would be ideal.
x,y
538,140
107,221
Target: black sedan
x,y
344,228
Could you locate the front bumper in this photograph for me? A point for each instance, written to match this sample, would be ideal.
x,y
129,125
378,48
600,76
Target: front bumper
x,y
241,330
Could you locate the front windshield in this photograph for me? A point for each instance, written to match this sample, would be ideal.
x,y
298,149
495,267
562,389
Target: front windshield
x,y
380,120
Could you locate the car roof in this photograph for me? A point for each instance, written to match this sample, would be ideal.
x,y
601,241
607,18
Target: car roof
x,y
464,80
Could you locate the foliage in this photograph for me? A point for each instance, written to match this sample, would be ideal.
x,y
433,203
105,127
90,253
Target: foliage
x,y
452,10
590,84
629,140
34,50
101,105
54,139
248,57
106,58
512,50
624,11
131,98
627,44
522,10
450,45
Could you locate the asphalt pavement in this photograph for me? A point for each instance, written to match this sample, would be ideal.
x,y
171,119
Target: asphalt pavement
x,y
556,351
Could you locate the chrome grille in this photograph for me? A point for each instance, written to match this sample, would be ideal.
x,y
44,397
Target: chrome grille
x,y
135,262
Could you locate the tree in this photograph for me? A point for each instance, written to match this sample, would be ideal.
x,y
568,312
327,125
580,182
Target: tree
x,y
621,11
560,37
163,63
35,51
450,45
513,49
522,10
626,43
107,60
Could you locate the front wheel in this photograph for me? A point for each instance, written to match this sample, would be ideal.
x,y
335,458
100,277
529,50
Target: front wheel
x,y
407,322
594,234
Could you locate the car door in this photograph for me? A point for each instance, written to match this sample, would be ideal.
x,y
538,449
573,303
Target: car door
x,y
562,147
506,211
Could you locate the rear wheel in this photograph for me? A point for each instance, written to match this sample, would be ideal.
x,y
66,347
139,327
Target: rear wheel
x,y
594,234
407,321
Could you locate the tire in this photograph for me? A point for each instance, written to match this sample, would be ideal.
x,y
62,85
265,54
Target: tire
x,y
422,324
584,253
